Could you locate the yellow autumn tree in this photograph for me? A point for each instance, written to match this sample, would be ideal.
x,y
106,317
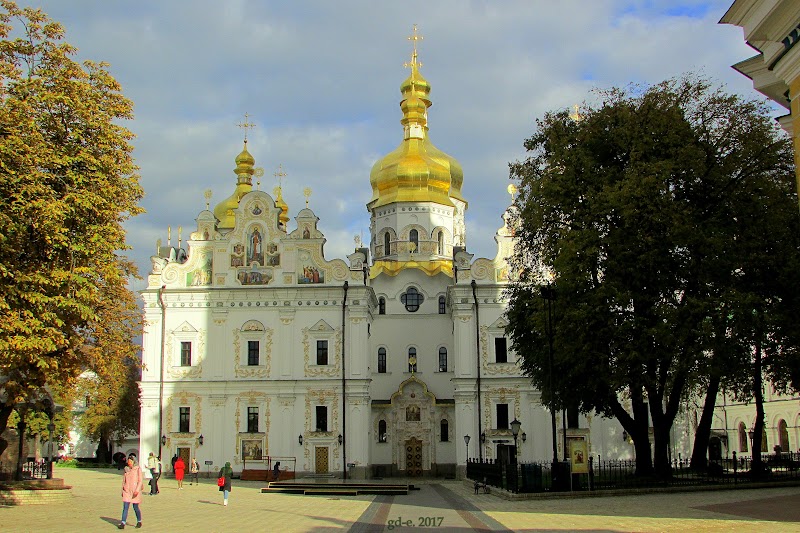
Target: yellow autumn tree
x,y
67,184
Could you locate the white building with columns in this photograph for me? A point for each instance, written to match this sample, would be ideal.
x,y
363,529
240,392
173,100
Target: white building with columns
x,y
385,361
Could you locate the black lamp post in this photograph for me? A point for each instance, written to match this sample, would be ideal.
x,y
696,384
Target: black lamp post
x,y
466,441
51,427
515,425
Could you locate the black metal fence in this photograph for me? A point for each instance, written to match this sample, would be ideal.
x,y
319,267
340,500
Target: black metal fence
x,y
546,476
34,469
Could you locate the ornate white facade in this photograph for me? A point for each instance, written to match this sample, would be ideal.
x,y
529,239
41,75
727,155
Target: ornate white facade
x,y
271,350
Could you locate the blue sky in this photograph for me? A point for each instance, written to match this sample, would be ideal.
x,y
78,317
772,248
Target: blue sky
x,y
321,81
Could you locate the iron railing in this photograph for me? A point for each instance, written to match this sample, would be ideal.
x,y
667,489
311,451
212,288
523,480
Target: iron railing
x,y
538,476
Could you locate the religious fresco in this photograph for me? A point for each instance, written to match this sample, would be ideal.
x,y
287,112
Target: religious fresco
x,y
309,274
273,257
251,448
237,257
201,275
254,277
255,248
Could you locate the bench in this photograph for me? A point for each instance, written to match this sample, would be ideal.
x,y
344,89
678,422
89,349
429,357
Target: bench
x,y
481,485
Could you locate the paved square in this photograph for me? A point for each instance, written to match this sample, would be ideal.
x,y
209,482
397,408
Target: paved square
x,y
438,505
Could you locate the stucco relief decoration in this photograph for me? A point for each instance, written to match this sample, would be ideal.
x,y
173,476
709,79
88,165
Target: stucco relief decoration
x,y
198,338
184,399
244,442
493,369
334,354
500,395
254,330
483,269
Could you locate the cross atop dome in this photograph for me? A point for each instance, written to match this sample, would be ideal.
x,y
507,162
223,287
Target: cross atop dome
x,y
414,38
246,125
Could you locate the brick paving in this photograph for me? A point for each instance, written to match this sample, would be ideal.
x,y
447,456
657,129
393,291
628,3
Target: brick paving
x,y
438,505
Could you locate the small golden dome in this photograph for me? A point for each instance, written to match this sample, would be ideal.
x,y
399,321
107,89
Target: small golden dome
x,y
223,211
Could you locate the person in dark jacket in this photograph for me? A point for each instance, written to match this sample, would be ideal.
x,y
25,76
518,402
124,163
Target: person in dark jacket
x,y
226,472
276,473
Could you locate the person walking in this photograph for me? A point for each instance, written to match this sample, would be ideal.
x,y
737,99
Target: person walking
x,y
132,487
276,472
180,469
152,465
226,473
194,469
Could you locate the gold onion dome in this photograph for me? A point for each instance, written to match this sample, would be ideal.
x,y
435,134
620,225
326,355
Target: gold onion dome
x,y
283,218
244,184
416,171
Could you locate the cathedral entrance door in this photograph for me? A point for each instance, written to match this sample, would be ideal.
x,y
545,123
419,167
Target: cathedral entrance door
x,y
413,457
184,453
321,459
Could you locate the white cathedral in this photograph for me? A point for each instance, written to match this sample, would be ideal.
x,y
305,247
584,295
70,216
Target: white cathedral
x,y
257,348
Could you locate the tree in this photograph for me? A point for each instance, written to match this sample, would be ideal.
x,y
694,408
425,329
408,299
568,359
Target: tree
x,y
635,209
67,184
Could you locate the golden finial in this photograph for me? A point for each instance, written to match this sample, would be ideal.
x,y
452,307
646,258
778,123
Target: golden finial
x,y
246,125
180,238
512,190
414,38
307,193
258,171
575,115
280,174
158,246
169,235
207,195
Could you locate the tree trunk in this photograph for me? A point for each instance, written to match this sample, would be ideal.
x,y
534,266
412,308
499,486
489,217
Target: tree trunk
x,y
5,414
703,433
21,457
641,435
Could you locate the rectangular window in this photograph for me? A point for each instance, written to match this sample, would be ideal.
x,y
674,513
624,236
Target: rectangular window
x,y
252,353
252,419
183,419
186,353
500,350
382,360
322,352
322,418
502,416
573,420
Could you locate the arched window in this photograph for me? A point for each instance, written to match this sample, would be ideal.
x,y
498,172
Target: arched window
x,y
441,243
445,430
382,431
381,305
442,305
743,437
412,299
783,436
442,359
381,360
412,359
386,241
413,236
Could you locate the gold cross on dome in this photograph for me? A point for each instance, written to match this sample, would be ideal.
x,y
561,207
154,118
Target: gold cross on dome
x,y
414,38
280,174
246,125
307,193
512,190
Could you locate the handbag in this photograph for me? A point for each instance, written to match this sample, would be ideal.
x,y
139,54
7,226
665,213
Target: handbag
x,y
221,482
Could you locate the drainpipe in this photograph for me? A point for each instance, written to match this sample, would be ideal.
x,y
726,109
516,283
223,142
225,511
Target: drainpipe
x,y
344,384
478,365
161,367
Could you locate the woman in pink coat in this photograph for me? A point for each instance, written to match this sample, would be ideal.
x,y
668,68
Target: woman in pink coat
x,y
131,492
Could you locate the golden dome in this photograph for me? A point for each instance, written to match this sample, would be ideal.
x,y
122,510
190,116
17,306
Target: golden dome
x,y
283,218
416,171
244,184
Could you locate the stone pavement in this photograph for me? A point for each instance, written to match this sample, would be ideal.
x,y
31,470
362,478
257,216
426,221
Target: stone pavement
x,y
438,505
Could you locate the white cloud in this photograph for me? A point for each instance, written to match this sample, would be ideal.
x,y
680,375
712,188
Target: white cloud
x,y
321,80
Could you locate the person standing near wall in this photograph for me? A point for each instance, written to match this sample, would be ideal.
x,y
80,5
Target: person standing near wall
x,y
180,470
195,471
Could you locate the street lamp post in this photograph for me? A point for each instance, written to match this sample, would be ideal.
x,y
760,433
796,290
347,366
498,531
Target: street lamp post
x,y
515,425
466,460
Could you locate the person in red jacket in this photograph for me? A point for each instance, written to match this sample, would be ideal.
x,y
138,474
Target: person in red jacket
x,y
180,470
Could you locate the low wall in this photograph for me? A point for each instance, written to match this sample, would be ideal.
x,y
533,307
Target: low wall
x,y
34,492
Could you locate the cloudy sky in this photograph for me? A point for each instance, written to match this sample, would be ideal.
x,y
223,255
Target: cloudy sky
x,y
321,81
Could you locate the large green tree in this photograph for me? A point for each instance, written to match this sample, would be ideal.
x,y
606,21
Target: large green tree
x,y
67,184
636,209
